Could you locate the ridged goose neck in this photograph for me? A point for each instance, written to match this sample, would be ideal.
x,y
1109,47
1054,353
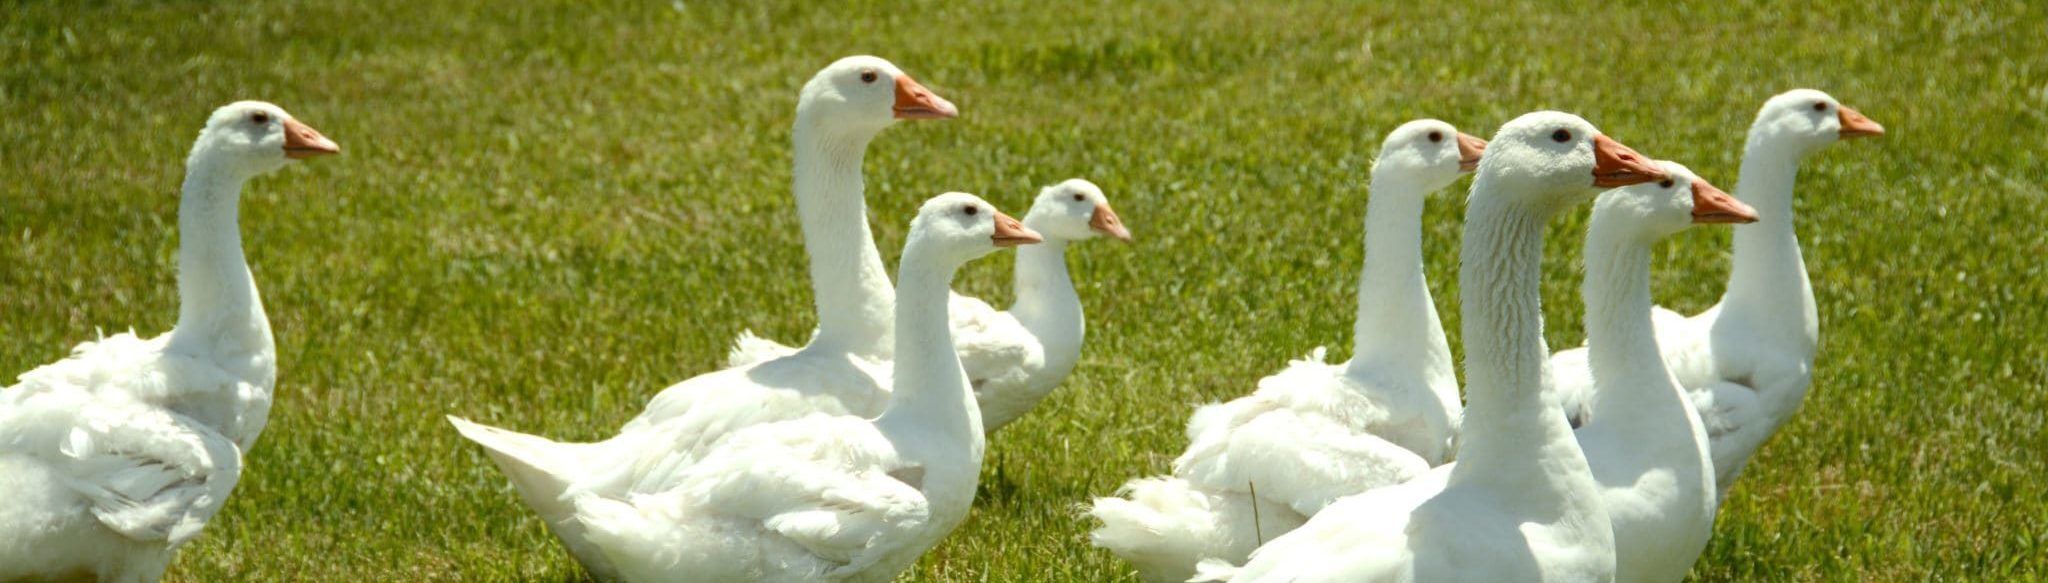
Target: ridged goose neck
x,y
1516,442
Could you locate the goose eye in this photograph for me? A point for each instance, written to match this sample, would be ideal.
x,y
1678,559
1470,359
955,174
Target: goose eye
x,y
1436,136
1820,106
970,210
867,76
1666,183
1561,136
259,118
1078,197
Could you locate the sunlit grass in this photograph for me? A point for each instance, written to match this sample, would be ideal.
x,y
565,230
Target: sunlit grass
x,y
547,211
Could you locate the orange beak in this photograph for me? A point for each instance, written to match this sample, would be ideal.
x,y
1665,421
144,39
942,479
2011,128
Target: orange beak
x,y
1469,150
1711,206
1855,125
1106,222
1617,165
301,141
913,101
1011,233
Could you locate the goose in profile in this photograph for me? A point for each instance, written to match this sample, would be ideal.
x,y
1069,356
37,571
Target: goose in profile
x,y
1521,504
1317,431
827,497
1644,441
1747,362
1016,357
115,456
845,367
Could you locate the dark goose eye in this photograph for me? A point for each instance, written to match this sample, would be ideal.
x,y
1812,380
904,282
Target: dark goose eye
x,y
259,118
1078,197
1561,136
1820,106
867,76
1666,183
1436,136
970,210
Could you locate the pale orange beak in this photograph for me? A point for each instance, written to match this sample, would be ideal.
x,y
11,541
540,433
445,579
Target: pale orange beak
x,y
913,101
1469,150
1712,206
1855,125
1106,222
301,141
1011,233
1616,165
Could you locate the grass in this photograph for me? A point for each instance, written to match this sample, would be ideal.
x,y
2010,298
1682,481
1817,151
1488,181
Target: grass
x,y
549,210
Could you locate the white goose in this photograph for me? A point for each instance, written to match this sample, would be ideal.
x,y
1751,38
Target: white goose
x,y
1748,361
114,457
1016,357
828,497
1315,431
1644,441
843,370
1521,505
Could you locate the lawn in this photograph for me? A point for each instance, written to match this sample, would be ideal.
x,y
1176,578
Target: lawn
x,y
547,211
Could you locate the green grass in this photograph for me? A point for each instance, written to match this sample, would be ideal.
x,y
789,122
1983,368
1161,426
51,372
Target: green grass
x,y
547,211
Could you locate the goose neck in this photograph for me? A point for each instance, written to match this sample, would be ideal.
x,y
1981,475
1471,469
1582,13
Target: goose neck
x,y
219,312
848,281
1514,436
1397,328
1767,283
1621,342
1769,169
930,402
1046,303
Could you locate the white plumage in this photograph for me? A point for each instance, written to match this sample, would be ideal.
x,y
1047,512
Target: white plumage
x,y
1522,503
823,497
115,456
843,370
805,500
1316,431
1015,357
1747,362
1642,438
104,487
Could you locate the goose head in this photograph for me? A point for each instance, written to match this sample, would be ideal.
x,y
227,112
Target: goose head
x,y
1557,159
1654,210
1809,120
955,228
1075,210
253,137
1428,151
865,94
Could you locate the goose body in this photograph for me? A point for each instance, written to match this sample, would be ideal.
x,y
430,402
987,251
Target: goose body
x,y
844,369
1521,505
1747,362
115,456
826,497
1316,431
1015,357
